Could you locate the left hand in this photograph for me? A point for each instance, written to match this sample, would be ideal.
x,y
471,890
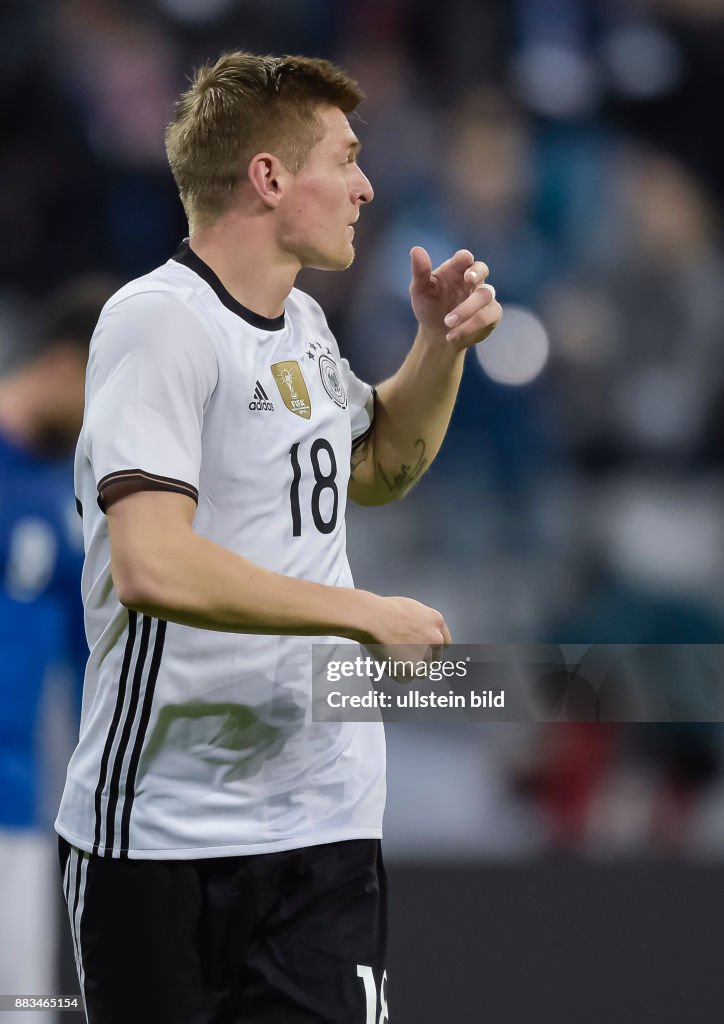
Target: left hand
x,y
456,289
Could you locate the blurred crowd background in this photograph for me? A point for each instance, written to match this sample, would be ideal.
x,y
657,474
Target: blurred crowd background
x,y
571,144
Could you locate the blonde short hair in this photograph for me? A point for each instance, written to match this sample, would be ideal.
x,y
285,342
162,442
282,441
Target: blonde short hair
x,y
242,105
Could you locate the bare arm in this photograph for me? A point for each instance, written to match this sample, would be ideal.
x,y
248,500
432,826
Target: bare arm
x,y
161,567
413,408
412,413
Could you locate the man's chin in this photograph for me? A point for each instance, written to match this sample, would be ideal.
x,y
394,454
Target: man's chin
x,y
328,261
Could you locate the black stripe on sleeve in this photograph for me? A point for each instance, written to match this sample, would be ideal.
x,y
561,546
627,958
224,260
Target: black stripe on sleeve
x,y
363,437
127,654
140,480
141,736
115,783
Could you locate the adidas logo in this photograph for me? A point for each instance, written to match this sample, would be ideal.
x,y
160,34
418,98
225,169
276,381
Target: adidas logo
x,y
260,402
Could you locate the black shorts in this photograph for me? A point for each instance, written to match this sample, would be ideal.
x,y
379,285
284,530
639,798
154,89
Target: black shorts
x,y
276,938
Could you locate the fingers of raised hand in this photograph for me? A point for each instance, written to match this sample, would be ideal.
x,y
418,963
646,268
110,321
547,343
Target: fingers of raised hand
x,y
421,265
476,273
475,318
482,295
459,263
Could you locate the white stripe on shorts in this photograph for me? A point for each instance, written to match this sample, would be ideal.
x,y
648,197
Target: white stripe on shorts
x,y
77,870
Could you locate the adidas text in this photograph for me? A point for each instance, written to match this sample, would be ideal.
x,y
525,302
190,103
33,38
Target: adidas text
x,y
260,402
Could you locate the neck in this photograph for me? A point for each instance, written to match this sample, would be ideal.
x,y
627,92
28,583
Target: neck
x,y
247,261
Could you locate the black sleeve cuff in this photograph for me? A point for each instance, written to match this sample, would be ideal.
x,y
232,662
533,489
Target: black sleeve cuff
x,y
140,480
363,437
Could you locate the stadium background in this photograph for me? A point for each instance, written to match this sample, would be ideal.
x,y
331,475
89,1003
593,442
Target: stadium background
x,y
539,872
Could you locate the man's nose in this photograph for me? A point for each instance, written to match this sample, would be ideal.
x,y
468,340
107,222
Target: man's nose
x,y
365,192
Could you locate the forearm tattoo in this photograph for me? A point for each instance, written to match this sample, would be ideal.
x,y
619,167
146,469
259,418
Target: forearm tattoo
x,y
406,476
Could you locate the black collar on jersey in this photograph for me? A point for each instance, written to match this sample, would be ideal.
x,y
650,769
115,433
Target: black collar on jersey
x,y
188,258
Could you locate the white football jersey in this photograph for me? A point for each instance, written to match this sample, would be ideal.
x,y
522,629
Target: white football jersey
x,y
197,743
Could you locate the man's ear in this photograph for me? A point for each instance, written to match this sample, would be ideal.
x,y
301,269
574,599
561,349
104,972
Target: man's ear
x,y
266,174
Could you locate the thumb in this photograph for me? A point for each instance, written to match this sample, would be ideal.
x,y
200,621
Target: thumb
x,y
421,266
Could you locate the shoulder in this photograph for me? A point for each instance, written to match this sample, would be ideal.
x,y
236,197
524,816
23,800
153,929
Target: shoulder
x,y
162,292
302,306
300,303
155,314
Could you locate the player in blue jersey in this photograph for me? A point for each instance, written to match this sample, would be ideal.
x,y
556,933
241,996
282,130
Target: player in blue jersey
x,y
41,627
